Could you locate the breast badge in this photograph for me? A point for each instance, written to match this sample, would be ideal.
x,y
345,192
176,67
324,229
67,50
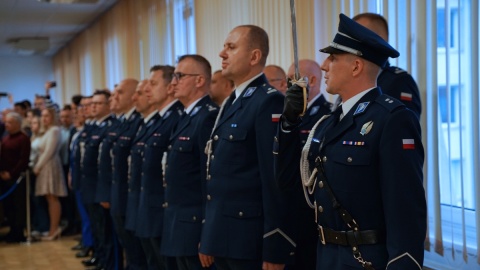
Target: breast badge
x,y
366,128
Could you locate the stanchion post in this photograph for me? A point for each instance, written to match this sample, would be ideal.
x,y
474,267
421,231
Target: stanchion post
x,y
29,229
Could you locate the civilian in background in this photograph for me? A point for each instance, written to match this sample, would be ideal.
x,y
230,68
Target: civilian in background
x,y
40,102
76,99
220,88
49,171
13,161
27,103
68,203
40,223
276,77
21,109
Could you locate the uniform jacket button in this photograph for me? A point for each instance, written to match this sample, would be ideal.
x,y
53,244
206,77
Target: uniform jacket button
x,y
213,157
320,209
169,147
209,177
194,218
240,214
215,137
324,159
209,197
180,148
349,159
230,137
320,184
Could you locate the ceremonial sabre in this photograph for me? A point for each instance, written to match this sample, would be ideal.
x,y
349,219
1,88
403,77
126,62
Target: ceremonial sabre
x,y
296,79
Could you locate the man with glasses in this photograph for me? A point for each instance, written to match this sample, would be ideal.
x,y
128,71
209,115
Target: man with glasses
x,y
246,224
100,111
185,175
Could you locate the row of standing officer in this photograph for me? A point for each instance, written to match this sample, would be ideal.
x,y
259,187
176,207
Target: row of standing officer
x,y
232,207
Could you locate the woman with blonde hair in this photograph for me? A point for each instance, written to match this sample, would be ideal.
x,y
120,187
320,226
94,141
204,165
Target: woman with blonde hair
x,y
49,172
39,213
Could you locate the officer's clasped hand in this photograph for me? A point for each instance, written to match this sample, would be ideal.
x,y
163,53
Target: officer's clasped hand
x,y
295,100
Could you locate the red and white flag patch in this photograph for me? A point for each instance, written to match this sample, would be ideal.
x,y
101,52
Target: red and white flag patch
x,y
408,143
405,96
276,117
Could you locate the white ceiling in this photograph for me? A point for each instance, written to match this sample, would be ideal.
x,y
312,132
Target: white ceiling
x,y
34,19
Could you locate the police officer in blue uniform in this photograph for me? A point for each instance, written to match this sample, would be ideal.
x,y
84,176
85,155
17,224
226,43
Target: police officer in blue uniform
x,y
150,118
363,163
185,173
317,106
393,81
89,176
130,122
149,213
102,195
75,172
245,218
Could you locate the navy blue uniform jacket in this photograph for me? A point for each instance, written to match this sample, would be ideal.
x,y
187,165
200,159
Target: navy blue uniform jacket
x,y
245,211
135,172
88,182
121,150
373,161
185,178
149,220
76,158
397,83
105,163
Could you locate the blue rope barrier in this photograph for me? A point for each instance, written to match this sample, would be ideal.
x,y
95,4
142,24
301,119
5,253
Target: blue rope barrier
x,y
12,188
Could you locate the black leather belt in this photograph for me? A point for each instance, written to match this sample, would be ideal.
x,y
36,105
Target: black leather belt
x,y
348,238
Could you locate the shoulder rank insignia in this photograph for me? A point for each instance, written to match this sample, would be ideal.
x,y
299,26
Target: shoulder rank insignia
x,y
361,107
314,110
195,110
271,90
211,108
249,91
366,128
399,70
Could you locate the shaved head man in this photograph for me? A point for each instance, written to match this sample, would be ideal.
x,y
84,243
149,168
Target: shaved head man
x,y
220,88
276,77
123,95
310,69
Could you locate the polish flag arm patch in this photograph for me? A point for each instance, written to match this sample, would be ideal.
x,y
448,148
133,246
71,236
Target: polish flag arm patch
x,y
276,117
405,96
408,143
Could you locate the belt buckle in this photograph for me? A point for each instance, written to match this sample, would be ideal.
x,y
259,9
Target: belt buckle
x,y
322,236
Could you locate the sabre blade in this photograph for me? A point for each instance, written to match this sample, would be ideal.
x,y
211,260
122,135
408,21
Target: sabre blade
x,y
294,37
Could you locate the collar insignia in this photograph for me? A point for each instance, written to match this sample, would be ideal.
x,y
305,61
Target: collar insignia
x,y
361,107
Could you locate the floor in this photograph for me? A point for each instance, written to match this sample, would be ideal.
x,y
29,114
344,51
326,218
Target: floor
x,y
55,254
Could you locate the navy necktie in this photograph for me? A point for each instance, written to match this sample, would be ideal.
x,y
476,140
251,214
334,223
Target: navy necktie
x,y
230,100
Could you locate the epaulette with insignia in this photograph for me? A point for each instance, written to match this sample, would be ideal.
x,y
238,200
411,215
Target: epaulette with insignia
x,y
389,103
399,70
271,90
211,108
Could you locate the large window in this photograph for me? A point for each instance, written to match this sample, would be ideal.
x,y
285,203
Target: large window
x,y
453,225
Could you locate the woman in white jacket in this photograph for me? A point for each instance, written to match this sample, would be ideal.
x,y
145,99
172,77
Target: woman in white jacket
x,y
48,169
